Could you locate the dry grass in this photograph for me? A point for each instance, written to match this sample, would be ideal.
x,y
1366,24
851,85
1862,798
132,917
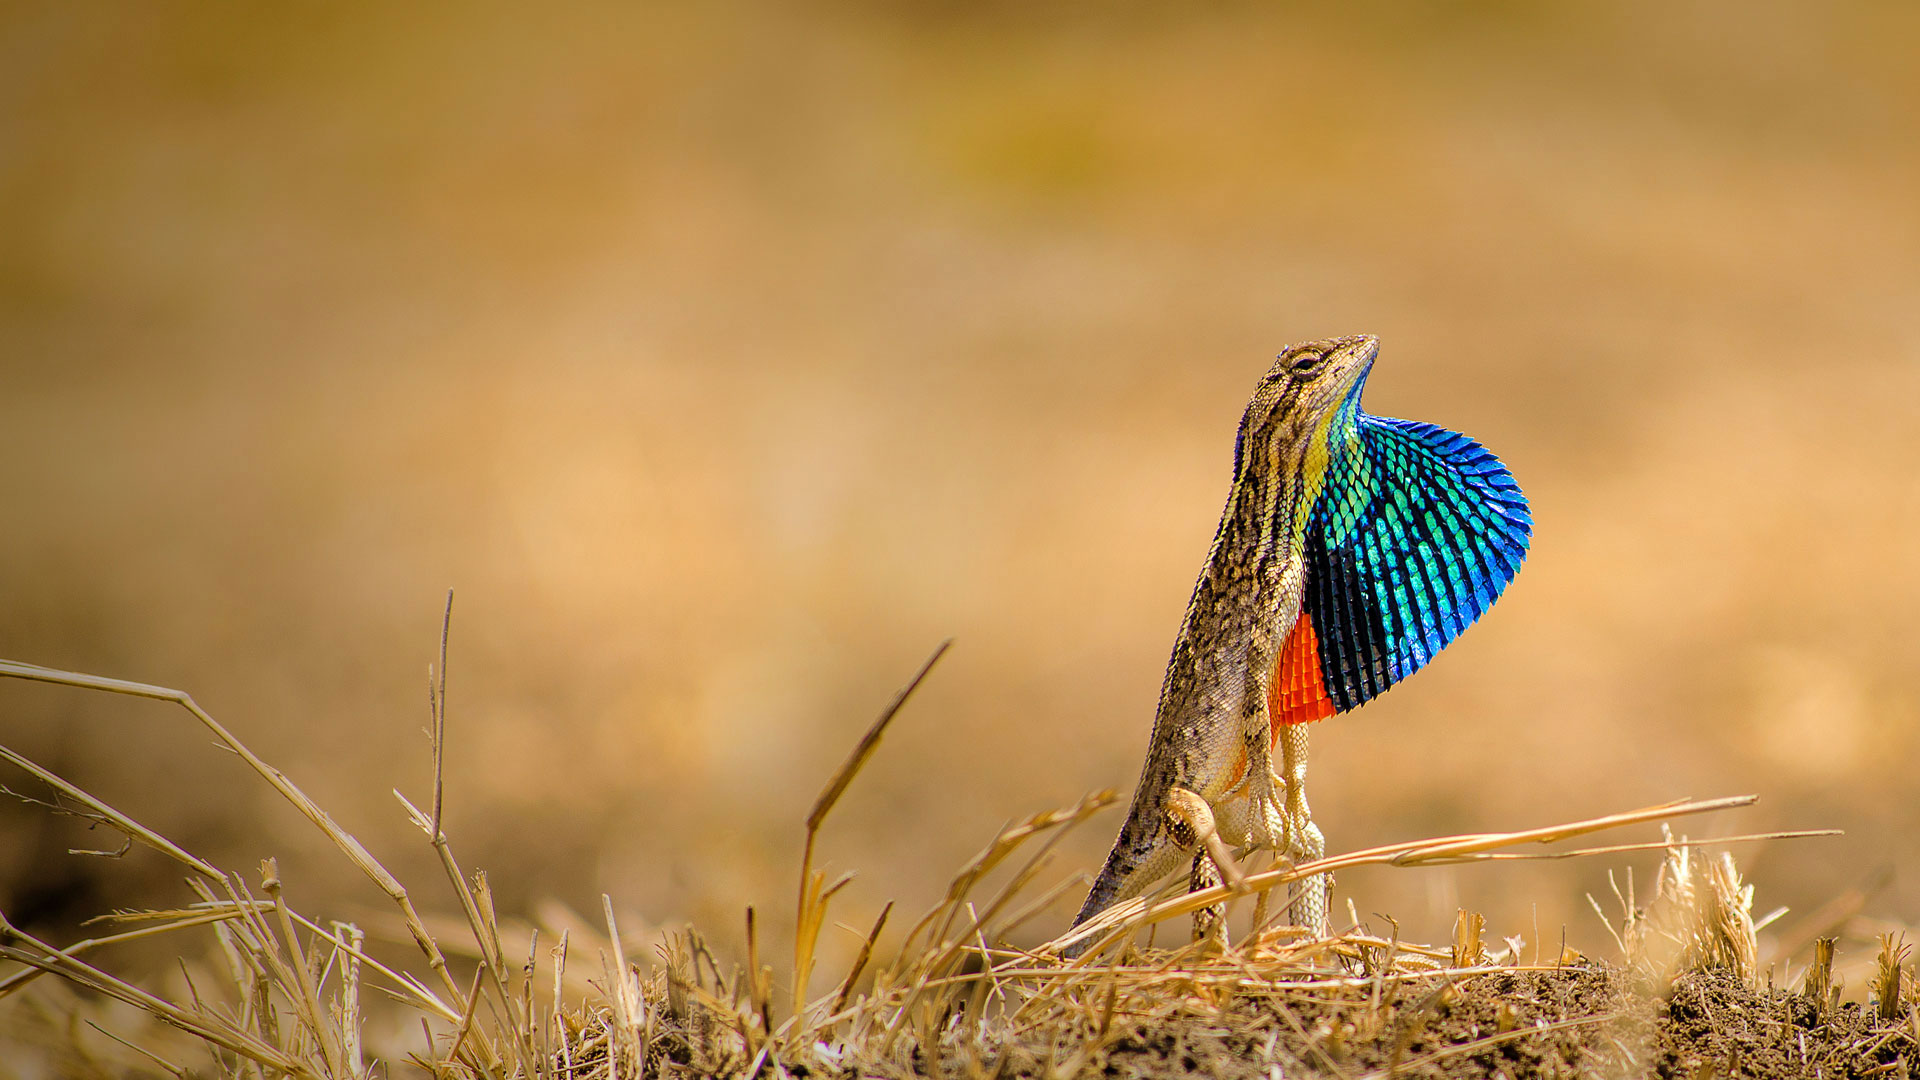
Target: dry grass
x,y
288,994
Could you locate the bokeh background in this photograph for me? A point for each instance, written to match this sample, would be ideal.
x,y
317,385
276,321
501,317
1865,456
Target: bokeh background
x,y
725,358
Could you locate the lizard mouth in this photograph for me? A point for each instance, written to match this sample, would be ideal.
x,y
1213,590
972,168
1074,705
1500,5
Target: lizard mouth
x,y
1355,356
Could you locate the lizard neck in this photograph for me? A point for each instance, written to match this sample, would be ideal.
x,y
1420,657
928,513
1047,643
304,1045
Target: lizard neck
x,y
1263,529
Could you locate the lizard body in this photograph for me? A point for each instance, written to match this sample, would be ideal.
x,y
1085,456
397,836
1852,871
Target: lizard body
x,y
1352,548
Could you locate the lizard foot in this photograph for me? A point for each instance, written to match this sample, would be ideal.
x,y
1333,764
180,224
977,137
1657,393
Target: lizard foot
x,y
1271,830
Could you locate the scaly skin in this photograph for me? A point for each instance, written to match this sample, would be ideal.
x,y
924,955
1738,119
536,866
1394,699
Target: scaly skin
x,y
1212,733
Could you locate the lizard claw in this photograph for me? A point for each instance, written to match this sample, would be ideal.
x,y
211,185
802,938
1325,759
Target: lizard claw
x,y
1271,828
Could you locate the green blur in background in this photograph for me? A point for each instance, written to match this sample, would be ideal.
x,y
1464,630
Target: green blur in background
x,y
725,358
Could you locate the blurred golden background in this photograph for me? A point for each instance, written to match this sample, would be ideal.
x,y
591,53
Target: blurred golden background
x,y
724,358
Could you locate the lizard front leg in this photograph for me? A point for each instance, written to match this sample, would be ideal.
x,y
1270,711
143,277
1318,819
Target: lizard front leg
x,y
1268,824
1309,908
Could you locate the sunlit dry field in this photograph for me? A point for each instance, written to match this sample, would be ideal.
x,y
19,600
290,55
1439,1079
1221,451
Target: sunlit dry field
x,y
725,359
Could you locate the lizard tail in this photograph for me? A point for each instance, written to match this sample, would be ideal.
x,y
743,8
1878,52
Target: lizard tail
x,y
1106,892
1131,866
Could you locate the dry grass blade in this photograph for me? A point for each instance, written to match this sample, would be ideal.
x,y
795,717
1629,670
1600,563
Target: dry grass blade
x,y
811,910
344,933
860,961
303,977
1436,852
1817,987
1727,938
437,713
863,750
626,1000
472,998
1887,977
475,899
108,814
1643,845
1468,926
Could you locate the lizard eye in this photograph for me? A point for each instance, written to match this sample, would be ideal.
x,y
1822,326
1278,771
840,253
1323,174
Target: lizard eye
x,y
1305,364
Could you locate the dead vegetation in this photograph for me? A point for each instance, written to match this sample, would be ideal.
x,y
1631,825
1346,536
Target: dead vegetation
x,y
277,992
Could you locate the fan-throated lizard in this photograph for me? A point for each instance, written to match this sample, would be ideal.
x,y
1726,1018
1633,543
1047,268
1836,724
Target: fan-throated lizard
x,y
1352,549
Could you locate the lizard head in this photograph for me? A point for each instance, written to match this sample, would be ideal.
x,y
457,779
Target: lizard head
x,y
1305,383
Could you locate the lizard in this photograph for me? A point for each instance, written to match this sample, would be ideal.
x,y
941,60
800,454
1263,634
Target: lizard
x,y
1351,550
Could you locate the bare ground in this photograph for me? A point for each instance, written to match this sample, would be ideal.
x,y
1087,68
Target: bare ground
x,y
1582,1020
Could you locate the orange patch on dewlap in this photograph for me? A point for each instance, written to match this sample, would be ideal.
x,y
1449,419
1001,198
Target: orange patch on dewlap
x,y
1298,694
